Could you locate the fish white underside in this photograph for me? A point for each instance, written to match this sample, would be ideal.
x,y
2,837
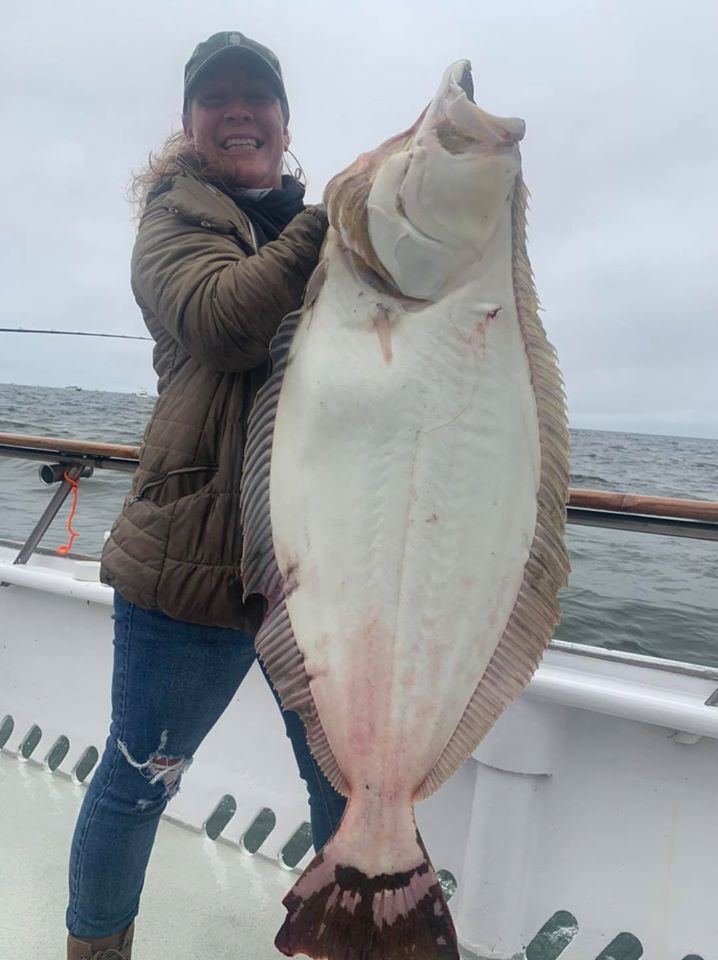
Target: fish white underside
x,y
403,506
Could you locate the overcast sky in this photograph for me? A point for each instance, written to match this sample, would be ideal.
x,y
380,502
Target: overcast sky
x,y
621,105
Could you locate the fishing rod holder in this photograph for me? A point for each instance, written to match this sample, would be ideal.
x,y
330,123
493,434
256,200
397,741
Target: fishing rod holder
x,y
51,473
71,474
67,475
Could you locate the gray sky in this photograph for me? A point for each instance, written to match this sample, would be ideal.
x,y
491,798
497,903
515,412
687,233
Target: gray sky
x,y
620,101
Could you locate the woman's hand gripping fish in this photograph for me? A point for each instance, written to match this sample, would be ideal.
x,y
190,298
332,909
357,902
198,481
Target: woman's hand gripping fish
x,y
404,508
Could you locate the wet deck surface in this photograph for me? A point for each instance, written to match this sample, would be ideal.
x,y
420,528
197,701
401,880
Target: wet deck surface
x,y
201,899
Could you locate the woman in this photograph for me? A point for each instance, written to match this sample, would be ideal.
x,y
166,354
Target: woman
x,y
224,249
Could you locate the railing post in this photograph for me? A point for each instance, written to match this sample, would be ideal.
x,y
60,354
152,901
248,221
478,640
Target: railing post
x,y
49,514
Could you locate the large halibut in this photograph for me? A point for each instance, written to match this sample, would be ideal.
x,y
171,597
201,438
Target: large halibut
x,y
404,507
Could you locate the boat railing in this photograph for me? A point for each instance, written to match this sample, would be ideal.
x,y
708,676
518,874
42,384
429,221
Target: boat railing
x,y
68,461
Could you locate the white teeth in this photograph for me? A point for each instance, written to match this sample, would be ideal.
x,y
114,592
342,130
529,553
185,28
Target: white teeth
x,y
241,142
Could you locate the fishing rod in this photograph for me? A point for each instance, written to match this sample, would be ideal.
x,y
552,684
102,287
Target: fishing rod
x,y
75,333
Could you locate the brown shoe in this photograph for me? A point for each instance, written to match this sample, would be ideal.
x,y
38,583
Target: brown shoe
x,y
116,947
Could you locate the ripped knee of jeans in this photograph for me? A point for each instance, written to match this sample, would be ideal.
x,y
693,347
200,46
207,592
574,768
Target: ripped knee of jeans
x,y
159,766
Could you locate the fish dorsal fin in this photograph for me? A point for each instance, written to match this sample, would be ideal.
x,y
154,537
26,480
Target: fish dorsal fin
x,y
275,643
536,610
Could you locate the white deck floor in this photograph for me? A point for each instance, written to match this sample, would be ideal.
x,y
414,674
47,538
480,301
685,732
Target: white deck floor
x,y
202,900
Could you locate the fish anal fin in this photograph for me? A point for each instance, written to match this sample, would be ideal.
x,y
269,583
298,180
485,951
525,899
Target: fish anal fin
x,y
275,643
277,649
536,610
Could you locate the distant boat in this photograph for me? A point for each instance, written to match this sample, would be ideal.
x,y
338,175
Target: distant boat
x,y
73,387
142,392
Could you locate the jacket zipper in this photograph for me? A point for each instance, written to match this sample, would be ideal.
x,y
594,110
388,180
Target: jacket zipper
x,y
210,468
252,231
254,235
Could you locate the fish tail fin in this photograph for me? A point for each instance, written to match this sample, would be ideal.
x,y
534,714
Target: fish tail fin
x,y
339,910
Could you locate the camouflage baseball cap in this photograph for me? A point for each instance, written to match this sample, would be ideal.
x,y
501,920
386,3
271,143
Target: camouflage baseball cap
x,y
230,42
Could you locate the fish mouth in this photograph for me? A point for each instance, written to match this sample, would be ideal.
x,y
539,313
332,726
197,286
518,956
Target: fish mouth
x,y
413,197
466,80
460,126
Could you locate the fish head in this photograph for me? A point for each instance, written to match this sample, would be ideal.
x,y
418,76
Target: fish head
x,y
423,207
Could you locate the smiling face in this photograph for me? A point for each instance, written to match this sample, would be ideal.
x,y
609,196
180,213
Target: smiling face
x,y
235,120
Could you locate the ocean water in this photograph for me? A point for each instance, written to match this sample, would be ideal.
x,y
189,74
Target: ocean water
x,y
642,593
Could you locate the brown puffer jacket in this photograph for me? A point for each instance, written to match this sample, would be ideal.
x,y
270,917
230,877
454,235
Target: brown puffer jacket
x,y
212,304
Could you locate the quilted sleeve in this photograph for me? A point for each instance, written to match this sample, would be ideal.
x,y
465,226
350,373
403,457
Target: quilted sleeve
x,y
221,305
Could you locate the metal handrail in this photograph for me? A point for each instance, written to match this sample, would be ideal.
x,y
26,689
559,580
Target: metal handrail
x,y
670,516
105,456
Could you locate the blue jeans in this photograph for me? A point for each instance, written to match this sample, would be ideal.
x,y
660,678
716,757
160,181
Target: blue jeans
x,y
171,683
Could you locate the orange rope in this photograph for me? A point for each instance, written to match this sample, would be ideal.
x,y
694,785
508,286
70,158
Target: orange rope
x,y
66,547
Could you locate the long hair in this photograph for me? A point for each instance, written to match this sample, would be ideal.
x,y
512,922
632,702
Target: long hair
x,y
177,155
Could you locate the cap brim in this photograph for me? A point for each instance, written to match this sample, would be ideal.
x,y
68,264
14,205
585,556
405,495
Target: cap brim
x,y
236,51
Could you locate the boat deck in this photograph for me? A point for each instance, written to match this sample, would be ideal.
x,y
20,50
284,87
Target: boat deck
x,y
202,899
